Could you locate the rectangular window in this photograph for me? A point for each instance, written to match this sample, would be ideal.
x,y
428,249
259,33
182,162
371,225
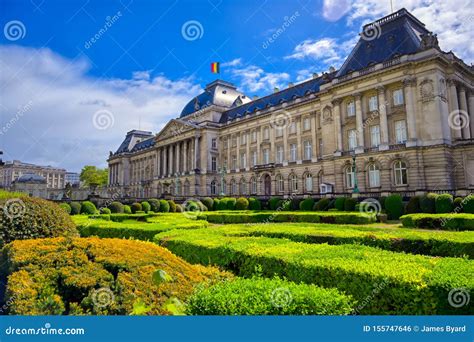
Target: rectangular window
x,y
214,143
254,158
266,156
279,154
398,97
293,154
373,103
266,133
293,127
306,124
279,131
243,160
351,109
352,139
374,177
400,131
243,139
234,162
214,163
321,147
254,136
234,140
308,150
375,135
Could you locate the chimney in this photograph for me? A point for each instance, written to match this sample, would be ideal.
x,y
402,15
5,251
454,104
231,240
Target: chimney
x,y
315,75
291,84
331,69
276,90
255,97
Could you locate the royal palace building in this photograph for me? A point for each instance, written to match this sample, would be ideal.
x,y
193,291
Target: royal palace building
x,y
398,116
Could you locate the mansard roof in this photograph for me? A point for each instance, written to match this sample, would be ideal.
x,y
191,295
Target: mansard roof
x,y
134,134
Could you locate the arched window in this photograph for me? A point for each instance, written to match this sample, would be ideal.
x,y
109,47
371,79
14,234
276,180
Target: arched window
x,y
280,183
186,188
400,173
308,182
243,187
213,188
233,187
178,188
350,177
293,184
374,176
253,186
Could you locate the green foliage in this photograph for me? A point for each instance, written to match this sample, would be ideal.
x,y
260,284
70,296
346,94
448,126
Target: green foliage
x,y
458,205
394,206
215,204
164,206
322,205
127,209
66,207
75,208
294,204
444,204
172,206
254,204
136,207
116,207
468,204
154,205
260,296
92,176
179,208
349,204
208,202
439,221
428,203
413,205
241,204
339,203
88,208
30,218
221,204
105,211
230,203
307,204
273,203
146,206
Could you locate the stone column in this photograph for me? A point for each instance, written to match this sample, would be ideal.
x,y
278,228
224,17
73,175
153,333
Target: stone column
x,y
453,108
337,125
359,124
158,162
409,90
247,151
299,148
285,144
314,139
383,119
185,156
229,145
178,157
165,161
237,152
466,133
471,112
259,131
196,152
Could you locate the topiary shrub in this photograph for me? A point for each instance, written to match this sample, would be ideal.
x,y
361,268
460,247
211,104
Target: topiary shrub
x,y
172,206
307,204
154,205
230,204
339,203
208,202
413,205
179,208
273,203
350,204
164,206
127,209
394,207
221,204
428,203
295,204
215,203
254,204
458,205
105,211
146,206
444,204
201,206
242,204
136,207
468,204
116,207
88,208
66,207
322,205
30,218
75,208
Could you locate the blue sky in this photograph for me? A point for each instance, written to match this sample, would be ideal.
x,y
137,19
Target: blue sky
x,y
144,66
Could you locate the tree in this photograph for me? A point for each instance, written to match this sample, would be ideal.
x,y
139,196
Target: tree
x,y
91,175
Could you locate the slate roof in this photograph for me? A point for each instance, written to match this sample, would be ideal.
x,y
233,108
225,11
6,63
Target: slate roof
x,y
30,178
134,133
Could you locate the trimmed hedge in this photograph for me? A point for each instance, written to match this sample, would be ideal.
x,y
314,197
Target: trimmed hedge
x,y
88,208
254,204
428,203
439,221
208,202
285,216
66,207
136,207
444,204
241,204
154,205
350,204
307,204
116,207
339,203
468,204
261,296
322,205
172,206
127,209
146,206
458,205
273,203
164,206
105,211
410,284
413,205
95,277
75,208
394,207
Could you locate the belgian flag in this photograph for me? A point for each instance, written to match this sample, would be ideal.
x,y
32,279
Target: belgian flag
x,y
215,68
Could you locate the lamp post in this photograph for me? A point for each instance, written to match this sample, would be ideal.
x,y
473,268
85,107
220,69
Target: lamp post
x,y
354,170
222,172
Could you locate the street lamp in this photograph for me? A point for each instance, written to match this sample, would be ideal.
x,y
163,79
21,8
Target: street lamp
x,y
222,172
354,172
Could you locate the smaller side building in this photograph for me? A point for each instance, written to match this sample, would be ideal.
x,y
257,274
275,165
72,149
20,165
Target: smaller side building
x,y
13,170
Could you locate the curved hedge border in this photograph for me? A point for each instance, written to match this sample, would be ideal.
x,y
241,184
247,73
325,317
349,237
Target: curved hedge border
x,y
411,284
439,221
290,216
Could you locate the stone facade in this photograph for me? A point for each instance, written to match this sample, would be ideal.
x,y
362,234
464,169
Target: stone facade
x,y
400,124
11,171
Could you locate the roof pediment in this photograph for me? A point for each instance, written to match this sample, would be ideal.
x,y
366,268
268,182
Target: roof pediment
x,y
175,128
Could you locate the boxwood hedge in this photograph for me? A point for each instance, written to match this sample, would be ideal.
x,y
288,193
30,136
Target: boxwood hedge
x,y
439,221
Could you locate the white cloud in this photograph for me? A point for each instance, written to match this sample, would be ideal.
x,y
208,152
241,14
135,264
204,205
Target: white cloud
x,y
333,10
253,78
56,126
232,63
